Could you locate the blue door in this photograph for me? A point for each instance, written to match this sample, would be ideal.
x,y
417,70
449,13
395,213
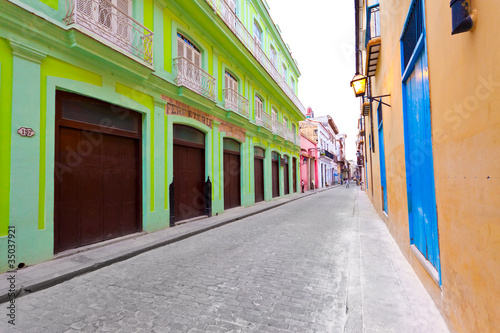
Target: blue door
x,y
418,137
383,177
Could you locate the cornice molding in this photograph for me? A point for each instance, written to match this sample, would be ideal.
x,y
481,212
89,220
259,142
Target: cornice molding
x,y
26,52
160,102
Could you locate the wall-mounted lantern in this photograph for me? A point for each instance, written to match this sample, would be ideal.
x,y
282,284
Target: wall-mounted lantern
x,y
358,83
462,17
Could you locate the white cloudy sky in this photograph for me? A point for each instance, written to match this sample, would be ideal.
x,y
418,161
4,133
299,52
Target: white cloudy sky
x,y
320,34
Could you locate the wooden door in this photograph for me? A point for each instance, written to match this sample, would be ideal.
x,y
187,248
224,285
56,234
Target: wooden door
x,y
232,174
421,193
189,172
294,174
259,179
189,182
276,174
97,175
286,176
232,181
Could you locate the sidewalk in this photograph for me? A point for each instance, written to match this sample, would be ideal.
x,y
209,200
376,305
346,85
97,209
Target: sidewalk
x,y
47,274
384,293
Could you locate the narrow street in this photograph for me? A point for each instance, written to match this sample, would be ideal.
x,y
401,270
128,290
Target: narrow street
x,y
324,263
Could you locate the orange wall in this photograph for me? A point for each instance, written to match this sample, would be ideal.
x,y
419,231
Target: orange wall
x,y
464,78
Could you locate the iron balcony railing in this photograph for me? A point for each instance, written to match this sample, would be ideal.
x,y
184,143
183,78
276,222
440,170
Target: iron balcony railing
x,y
107,21
189,75
289,135
372,23
280,129
235,102
326,153
263,119
227,14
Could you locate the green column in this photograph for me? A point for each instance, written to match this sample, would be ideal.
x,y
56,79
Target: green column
x,y
159,218
34,242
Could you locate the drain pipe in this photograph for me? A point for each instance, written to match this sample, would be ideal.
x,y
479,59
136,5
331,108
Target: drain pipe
x,y
356,29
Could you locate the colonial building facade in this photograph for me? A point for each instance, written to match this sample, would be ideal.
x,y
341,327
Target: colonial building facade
x,y
126,116
429,139
322,132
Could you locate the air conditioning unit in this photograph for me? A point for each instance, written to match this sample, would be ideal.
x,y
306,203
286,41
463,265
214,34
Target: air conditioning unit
x,y
365,109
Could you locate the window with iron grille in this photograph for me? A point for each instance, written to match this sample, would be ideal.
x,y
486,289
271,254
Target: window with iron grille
x,y
413,32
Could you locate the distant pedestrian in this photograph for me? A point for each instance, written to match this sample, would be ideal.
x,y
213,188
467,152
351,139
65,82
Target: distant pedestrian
x,y
302,185
347,183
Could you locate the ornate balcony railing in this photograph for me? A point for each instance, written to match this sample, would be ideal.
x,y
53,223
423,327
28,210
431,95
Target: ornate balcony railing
x,y
191,76
289,135
280,129
235,102
263,119
107,21
223,9
326,153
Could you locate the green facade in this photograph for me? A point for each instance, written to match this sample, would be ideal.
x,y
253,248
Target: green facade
x,y
40,54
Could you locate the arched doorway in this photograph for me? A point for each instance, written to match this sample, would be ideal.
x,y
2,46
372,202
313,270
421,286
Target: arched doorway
x,y
276,174
232,174
259,155
189,172
286,174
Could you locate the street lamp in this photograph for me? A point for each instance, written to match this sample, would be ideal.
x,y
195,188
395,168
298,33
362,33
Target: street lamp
x,y
358,83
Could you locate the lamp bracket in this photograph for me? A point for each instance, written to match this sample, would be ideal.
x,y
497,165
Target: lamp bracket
x,y
374,98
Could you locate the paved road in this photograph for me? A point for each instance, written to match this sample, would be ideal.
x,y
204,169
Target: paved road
x,y
289,269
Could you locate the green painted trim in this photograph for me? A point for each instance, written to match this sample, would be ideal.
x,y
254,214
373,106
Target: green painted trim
x,y
149,14
51,3
167,40
54,67
6,75
165,138
148,102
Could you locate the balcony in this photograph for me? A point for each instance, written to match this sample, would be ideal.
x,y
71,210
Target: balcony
x,y
192,77
263,119
278,128
235,102
226,13
326,153
103,19
373,40
291,136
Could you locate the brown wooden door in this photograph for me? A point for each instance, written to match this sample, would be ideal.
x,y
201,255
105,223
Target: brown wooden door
x,y
97,189
286,177
294,173
189,181
259,179
232,180
276,179
99,198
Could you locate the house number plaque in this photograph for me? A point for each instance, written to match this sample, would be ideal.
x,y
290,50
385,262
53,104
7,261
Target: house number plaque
x,y
25,131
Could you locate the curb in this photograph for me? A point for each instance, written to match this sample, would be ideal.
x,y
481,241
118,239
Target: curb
x,y
44,283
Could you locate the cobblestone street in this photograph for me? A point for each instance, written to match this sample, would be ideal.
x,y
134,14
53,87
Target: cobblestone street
x,y
289,269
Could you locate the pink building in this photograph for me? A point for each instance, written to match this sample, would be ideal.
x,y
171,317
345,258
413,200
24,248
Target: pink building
x,y
308,163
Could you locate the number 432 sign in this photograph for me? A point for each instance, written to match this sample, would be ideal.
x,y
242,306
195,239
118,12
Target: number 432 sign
x,y
25,131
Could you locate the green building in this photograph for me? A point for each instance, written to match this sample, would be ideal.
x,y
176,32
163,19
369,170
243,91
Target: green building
x,y
120,116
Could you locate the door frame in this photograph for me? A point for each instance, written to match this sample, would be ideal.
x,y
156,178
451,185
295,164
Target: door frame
x,y
231,152
419,52
83,126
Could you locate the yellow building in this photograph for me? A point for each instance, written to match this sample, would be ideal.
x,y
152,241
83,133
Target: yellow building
x,y
431,151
